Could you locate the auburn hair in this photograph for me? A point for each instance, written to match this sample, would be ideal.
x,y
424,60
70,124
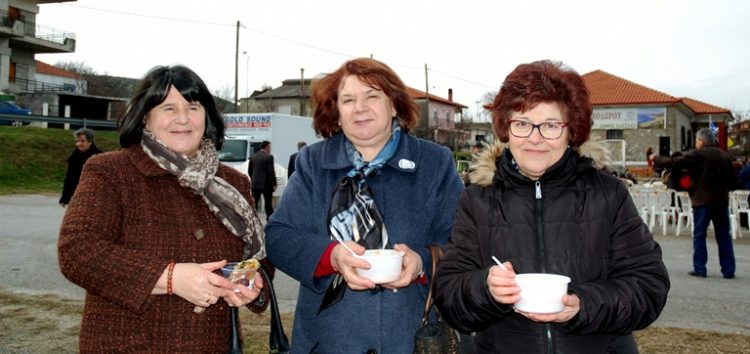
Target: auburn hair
x,y
325,91
549,82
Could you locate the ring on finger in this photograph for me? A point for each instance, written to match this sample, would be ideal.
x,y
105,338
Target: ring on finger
x,y
209,298
199,309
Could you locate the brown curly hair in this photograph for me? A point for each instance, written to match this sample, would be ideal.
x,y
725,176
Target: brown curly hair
x,y
324,94
544,81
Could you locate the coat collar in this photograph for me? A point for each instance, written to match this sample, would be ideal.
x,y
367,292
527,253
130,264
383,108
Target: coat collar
x,y
404,159
143,162
485,164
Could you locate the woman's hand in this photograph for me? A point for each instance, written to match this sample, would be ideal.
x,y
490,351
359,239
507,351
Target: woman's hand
x,y
502,284
572,306
199,285
346,264
241,295
196,282
410,268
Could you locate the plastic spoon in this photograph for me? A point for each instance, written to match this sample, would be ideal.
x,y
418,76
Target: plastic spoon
x,y
499,263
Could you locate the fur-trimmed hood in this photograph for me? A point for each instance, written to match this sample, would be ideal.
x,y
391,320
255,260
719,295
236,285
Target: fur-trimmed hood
x,y
484,164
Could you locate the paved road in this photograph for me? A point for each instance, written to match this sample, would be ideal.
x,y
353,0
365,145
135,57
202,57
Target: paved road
x,y
28,258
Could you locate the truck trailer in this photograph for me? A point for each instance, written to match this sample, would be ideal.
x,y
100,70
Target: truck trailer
x,y
246,131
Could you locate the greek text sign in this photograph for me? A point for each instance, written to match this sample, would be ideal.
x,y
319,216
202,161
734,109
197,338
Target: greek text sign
x,y
615,118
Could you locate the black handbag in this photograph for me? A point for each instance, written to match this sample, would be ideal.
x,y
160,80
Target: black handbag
x,y
277,340
434,337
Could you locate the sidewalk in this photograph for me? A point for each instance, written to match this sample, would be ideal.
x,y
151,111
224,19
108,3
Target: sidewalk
x,y
28,259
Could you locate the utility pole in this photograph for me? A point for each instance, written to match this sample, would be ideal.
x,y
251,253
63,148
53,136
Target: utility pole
x,y
301,91
236,67
427,98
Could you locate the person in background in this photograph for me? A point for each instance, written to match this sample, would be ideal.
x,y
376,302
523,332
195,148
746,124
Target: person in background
x,y
370,184
650,163
153,223
263,176
744,177
542,205
85,148
293,158
713,177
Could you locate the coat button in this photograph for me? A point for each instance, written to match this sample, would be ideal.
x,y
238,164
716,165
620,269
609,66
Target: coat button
x,y
372,351
199,234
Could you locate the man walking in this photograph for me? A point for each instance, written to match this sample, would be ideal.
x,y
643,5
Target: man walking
x,y
713,176
263,177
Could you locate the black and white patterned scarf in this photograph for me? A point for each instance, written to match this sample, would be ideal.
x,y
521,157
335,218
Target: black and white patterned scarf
x,y
198,173
352,213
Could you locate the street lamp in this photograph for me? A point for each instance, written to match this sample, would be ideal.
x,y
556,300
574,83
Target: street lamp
x,y
247,79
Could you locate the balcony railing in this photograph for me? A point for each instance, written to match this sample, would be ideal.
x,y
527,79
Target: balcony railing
x,y
32,29
24,85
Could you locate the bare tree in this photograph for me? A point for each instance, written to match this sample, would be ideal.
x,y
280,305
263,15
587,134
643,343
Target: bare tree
x,y
81,71
78,67
224,97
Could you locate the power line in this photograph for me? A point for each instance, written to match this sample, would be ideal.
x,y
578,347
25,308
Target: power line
x,y
152,16
348,56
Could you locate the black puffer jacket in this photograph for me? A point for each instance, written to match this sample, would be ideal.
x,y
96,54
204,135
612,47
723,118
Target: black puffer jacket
x,y
574,221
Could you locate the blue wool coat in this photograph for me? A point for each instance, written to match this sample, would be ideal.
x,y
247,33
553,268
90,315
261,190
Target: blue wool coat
x,y
416,191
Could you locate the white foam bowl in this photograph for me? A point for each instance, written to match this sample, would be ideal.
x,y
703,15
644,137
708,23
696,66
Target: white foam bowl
x,y
541,292
385,265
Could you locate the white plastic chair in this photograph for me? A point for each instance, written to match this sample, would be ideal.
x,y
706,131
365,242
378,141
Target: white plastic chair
x,y
685,211
640,200
738,206
660,201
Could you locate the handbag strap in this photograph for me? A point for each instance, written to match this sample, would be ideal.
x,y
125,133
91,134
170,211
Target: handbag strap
x,y
436,251
277,340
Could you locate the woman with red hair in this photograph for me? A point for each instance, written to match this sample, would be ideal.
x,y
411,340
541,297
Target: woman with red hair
x,y
368,185
541,204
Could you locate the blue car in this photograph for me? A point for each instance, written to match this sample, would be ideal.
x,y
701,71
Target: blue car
x,y
7,107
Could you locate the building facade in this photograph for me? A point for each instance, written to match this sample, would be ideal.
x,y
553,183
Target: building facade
x,y
631,118
21,37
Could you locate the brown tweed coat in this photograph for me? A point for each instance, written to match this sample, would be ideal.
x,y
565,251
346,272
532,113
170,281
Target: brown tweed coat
x,y
128,219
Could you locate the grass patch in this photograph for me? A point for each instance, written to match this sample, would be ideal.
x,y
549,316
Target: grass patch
x,y
34,160
50,324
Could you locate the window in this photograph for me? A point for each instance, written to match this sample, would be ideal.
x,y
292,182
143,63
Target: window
x,y
615,134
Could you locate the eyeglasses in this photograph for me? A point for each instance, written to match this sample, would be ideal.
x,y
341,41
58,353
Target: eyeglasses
x,y
548,130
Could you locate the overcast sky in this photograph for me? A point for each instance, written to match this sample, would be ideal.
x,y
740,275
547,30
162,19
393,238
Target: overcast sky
x,y
694,48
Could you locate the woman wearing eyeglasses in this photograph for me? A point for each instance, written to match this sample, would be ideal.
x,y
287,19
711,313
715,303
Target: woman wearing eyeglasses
x,y
539,202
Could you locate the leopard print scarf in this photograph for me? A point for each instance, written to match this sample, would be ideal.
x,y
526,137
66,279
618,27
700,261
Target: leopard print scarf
x,y
198,173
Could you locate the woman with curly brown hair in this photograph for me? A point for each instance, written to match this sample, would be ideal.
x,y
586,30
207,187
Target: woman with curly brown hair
x,y
541,205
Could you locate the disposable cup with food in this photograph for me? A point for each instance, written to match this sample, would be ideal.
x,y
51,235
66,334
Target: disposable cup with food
x,y
241,272
385,265
541,292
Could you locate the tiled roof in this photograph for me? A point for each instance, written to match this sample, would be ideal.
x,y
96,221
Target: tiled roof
x,y
44,68
607,89
420,95
703,108
288,89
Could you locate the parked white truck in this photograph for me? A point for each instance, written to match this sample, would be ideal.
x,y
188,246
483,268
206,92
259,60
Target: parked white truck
x,y
246,131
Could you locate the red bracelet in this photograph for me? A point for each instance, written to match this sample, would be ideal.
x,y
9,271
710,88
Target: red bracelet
x,y
170,270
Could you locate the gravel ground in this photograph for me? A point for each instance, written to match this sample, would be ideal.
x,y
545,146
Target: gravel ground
x,y
28,259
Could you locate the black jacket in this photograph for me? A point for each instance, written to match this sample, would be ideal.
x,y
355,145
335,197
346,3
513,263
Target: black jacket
x,y
261,171
711,171
583,224
75,165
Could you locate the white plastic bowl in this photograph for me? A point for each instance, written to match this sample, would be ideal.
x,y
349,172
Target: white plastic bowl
x,y
385,265
541,292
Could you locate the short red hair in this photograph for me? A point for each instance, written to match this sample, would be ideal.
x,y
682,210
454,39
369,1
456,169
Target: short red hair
x,y
544,81
325,92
